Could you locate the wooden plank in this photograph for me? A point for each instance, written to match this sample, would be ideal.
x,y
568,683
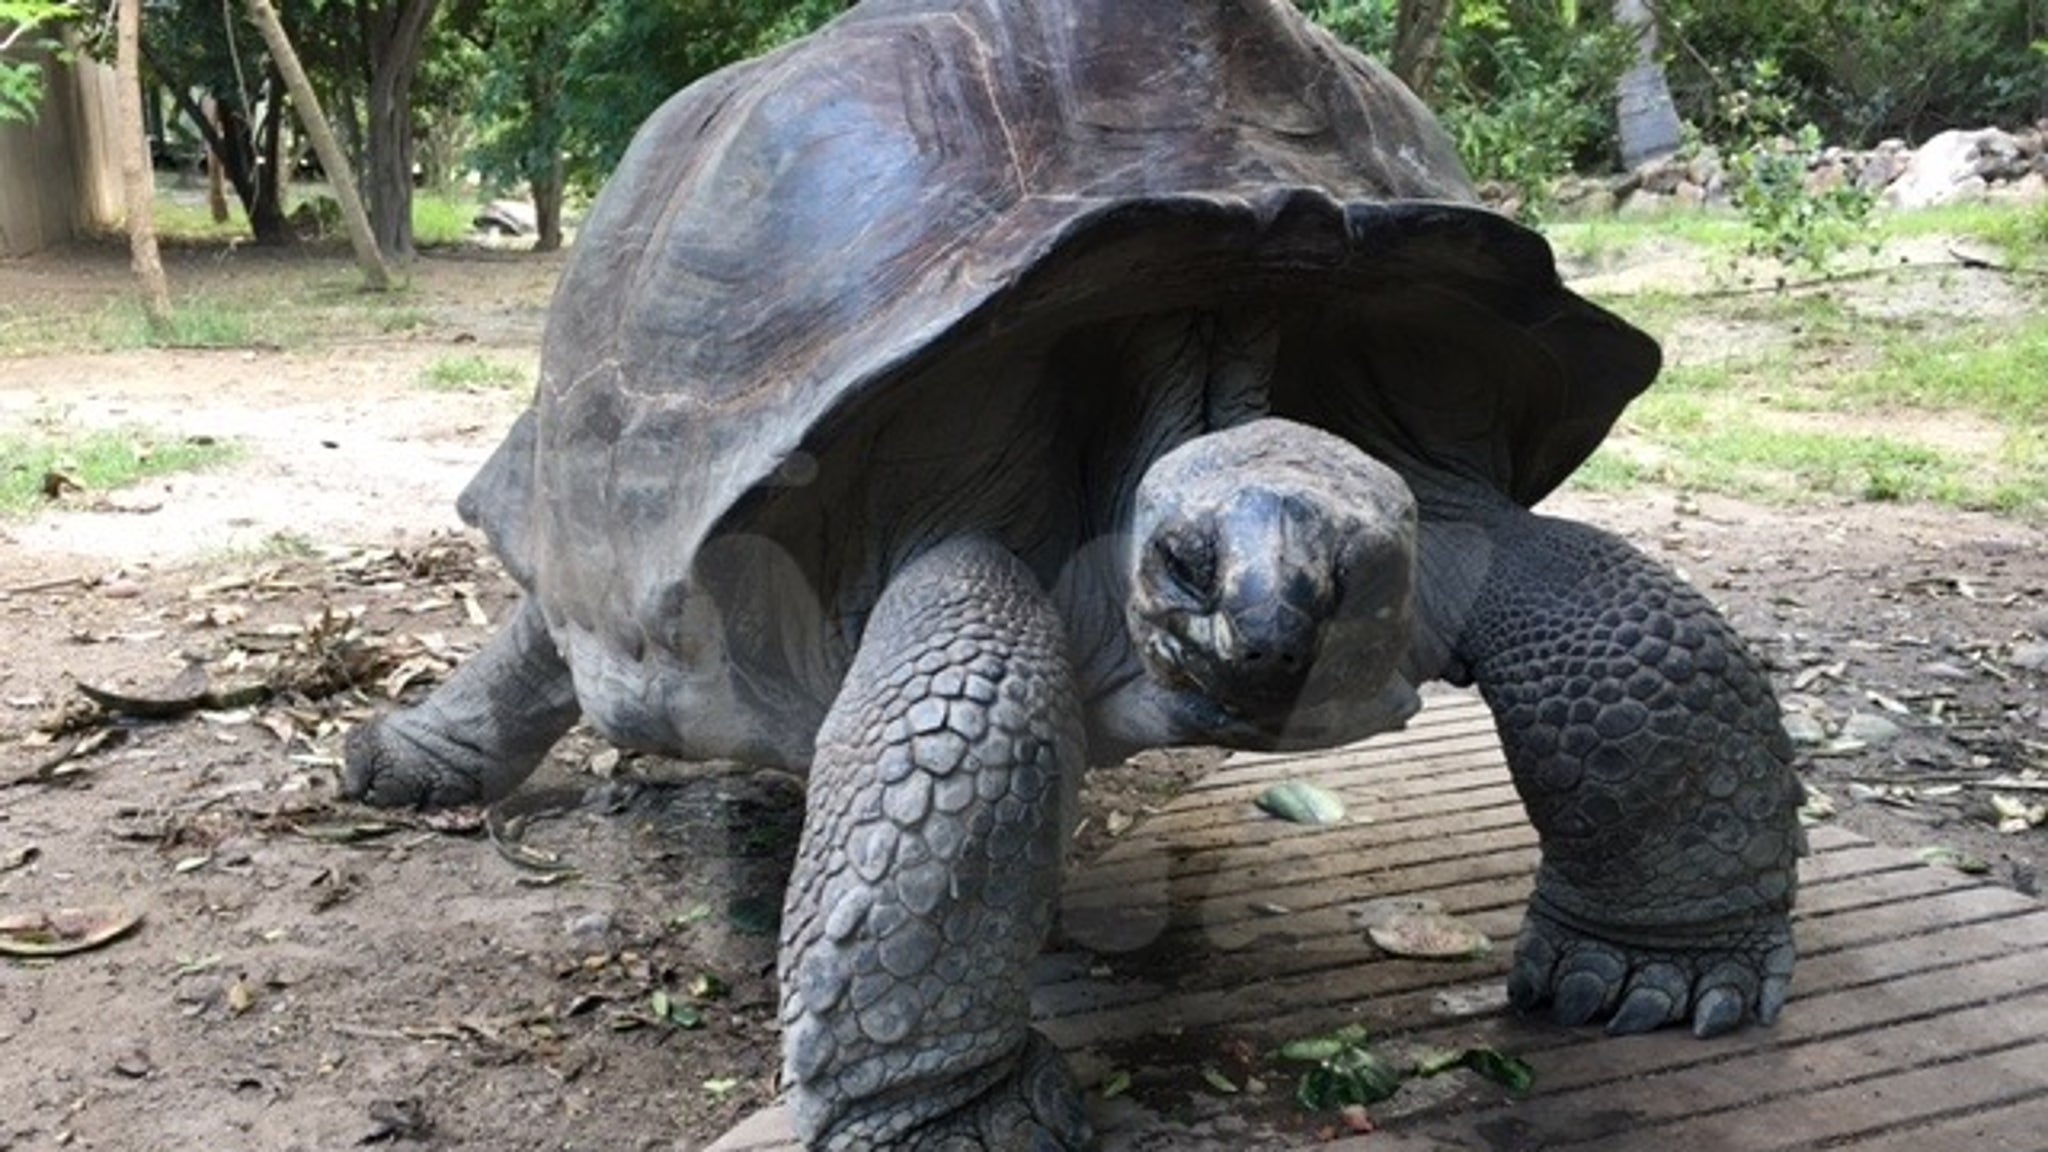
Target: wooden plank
x,y
2012,1126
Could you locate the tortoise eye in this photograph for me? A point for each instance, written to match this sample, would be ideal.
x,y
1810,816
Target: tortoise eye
x,y
1189,560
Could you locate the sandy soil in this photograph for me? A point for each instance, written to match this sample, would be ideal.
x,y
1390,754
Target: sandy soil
x,y
311,975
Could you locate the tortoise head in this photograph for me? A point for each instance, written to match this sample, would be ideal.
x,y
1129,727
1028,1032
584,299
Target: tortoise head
x,y
1272,576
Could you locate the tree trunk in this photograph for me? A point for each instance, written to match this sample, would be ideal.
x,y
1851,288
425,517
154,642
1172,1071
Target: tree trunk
x,y
1419,41
1650,127
227,142
367,255
137,179
547,189
398,33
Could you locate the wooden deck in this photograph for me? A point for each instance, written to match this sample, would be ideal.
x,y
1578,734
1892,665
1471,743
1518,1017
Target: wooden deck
x,y
1919,1018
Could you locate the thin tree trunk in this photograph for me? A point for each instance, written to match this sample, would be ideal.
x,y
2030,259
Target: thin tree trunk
x,y
547,187
1419,41
137,181
360,238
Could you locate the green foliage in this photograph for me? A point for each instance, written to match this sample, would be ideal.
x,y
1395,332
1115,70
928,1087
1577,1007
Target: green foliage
x,y
1866,70
440,220
25,24
1791,219
1367,25
1530,91
574,79
1525,87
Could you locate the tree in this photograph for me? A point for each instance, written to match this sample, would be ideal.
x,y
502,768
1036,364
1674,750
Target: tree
x,y
1418,43
137,179
395,32
331,158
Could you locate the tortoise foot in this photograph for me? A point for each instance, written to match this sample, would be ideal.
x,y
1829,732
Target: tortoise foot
x,y
1034,1108
1716,979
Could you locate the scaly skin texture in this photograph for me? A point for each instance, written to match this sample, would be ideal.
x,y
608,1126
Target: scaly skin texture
x,y
1647,745
478,735
926,876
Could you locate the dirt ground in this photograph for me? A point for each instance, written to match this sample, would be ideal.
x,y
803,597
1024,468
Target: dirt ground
x,y
592,967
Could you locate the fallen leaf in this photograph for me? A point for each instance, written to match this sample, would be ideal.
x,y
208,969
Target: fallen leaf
x,y
1511,1072
1418,927
1219,1081
1300,802
1115,1084
1941,855
65,932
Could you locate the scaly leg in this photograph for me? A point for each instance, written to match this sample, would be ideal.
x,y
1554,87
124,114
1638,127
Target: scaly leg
x,y
476,736
1648,748
928,870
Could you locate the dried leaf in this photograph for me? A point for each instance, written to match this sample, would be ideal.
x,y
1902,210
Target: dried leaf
x,y
1429,935
65,932
1941,855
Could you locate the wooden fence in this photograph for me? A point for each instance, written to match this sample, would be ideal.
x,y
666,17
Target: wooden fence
x,y
61,174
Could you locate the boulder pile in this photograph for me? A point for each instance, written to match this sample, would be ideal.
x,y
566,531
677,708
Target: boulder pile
x,y
1955,167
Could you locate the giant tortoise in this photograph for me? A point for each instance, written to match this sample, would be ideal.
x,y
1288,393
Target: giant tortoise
x,y
977,389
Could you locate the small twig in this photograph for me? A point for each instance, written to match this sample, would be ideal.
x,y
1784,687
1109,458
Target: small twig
x,y
50,585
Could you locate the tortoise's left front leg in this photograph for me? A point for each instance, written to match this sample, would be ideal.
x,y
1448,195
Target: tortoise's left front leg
x,y
1649,750
928,869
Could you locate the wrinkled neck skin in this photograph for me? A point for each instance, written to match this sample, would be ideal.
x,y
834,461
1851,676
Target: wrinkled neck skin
x,y
1261,572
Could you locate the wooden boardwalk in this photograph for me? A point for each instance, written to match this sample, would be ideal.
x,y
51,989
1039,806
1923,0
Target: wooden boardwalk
x,y
1919,1016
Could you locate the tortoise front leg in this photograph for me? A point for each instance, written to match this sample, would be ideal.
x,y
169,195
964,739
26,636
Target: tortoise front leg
x,y
1648,748
928,869
475,737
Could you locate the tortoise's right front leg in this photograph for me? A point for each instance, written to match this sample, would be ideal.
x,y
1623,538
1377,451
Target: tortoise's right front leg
x,y
476,736
928,870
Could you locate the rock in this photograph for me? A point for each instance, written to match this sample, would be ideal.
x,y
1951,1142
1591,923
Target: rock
x,y
2026,191
1805,729
1643,204
2030,657
1870,729
590,928
1883,164
1953,167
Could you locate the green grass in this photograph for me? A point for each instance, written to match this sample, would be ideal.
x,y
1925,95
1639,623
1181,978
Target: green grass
x,y
439,221
472,374
97,461
1958,417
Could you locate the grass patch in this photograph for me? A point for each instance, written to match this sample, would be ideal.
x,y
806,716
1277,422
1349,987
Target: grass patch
x,y
438,221
1843,406
97,461
1999,371
471,374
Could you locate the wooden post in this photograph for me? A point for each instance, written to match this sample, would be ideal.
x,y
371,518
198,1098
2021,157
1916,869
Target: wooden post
x,y
360,238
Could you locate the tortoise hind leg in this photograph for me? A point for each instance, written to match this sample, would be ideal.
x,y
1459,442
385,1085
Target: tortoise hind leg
x,y
928,869
1648,748
476,736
